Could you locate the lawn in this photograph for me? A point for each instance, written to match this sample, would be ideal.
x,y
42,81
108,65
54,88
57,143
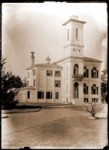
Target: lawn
x,y
76,131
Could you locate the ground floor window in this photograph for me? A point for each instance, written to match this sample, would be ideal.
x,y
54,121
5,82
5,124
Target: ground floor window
x,y
76,90
28,94
57,95
48,95
94,99
86,100
40,95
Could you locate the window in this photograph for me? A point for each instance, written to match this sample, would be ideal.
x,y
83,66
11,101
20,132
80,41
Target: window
x,y
57,73
48,95
33,72
28,94
85,89
76,90
76,34
57,83
94,89
76,69
86,72
57,95
33,82
85,100
94,99
94,73
67,34
40,95
49,72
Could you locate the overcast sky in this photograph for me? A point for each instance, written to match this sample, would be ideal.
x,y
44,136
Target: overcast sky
x,y
38,27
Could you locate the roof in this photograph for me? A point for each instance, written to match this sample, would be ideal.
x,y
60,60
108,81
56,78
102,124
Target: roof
x,y
74,20
45,65
84,58
92,60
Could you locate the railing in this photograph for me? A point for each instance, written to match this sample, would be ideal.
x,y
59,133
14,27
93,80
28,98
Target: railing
x,y
78,76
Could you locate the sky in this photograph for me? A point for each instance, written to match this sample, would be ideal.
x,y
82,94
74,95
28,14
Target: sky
x,y
38,27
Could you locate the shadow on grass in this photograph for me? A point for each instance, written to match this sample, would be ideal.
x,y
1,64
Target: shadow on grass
x,y
22,109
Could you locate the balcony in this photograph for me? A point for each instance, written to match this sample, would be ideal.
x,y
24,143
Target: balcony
x,y
78,77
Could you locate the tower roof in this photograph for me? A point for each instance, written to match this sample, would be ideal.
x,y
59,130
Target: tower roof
x,y
74,19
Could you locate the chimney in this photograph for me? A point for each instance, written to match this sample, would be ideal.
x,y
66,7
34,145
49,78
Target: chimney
x,y
32,59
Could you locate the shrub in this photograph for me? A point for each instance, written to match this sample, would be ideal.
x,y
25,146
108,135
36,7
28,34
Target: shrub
x,y
93,108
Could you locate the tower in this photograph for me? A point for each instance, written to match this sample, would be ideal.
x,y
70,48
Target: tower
x,y
74,37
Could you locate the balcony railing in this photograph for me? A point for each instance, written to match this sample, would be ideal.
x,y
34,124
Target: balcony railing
x,y
78,76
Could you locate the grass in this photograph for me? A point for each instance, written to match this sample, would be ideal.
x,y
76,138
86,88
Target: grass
x,y
67,132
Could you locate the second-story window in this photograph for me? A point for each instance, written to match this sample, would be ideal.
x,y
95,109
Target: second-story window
x,y
86,72
94,72
94,89
57,73
57,83
49,73
76,69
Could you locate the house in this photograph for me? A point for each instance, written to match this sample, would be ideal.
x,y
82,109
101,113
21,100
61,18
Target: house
x,y
74,79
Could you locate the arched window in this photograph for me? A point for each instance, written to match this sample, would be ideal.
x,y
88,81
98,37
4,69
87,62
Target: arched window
x,y
76,69
76,90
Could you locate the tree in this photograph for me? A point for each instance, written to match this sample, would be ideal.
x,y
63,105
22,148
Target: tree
x,y
10,85
104,85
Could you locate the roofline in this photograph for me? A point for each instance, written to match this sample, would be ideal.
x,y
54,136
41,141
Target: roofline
x,y
84,58
74,20
44,65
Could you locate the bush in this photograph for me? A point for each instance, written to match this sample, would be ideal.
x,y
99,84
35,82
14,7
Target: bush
x,y
93,108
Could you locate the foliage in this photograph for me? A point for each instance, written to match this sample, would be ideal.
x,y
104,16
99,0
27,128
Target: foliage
x,y
93,108
103,90
10,85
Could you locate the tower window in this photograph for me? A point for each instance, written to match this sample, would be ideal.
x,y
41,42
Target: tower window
x,y
76,34
67,34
